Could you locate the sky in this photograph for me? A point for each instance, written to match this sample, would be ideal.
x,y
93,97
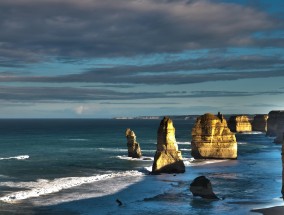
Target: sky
x,y
114,58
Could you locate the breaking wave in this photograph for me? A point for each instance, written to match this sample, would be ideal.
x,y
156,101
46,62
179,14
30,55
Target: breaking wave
x,y
44,186
19,157
143,158
184,143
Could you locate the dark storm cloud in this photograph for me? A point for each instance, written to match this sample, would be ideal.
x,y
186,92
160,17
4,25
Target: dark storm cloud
x,y
32,29
68,94
37,94
177,72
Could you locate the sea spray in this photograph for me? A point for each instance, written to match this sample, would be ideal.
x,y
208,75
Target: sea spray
x,y
19,157
44,187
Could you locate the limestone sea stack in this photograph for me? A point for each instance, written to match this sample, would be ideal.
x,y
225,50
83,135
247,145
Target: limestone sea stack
x,y
239,123
167,158
259,122
134,150
211,138
275,125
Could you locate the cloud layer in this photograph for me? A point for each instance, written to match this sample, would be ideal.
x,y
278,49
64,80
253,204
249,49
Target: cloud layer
x,y
35,30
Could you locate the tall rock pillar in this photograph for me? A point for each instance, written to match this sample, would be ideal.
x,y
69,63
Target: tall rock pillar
x,y
134,150
167,158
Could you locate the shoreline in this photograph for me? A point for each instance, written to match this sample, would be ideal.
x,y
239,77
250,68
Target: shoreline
x,y
276,210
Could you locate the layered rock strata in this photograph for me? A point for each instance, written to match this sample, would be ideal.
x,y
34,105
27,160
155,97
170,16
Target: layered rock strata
x,y
211,138
275,125
134,150
201,186
168,158
259,122
239,123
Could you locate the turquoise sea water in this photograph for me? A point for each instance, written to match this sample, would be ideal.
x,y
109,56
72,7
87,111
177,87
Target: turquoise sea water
x,y
80,166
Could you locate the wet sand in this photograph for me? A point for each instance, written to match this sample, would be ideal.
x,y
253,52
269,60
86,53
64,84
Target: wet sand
x,y
278,210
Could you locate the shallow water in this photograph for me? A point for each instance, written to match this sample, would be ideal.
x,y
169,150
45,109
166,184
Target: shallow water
x,y
81,167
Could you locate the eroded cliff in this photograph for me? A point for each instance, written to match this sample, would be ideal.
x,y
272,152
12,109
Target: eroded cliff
x,y
211,138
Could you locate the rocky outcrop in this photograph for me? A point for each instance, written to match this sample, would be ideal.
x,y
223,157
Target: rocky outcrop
x,y
134,150
167,158
211,138
275,125
282,155
201,186
259,122
239,123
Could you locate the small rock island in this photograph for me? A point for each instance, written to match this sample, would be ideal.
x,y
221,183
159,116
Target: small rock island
x,y
211,138
275,125
239,123
133,146
259,122
168,158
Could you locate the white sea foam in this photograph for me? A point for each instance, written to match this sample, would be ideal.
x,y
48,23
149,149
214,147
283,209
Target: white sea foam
x,y
19,157
112,149
185,150
148,168
252,132
193,162
44,187
143,158
242,143
184,143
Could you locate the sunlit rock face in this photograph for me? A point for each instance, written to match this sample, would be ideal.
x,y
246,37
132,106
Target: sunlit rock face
x,y
167,158
275,125
134,150
211,138
239,124
259,122
201,186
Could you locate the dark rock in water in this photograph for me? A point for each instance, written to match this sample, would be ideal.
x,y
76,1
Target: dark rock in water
x,y
118,202
275,125
147,159
134,150
259,122
201,186
168,158
282,191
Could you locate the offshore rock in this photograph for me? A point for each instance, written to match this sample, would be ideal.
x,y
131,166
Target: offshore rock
x,y
201,186
282,155
259,122
275,125
167,158
211,138
134,150
239,123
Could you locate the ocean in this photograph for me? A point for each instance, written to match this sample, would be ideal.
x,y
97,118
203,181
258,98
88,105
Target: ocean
x,y
80,167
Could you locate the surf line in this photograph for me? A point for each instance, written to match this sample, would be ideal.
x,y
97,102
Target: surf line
x,y
44,187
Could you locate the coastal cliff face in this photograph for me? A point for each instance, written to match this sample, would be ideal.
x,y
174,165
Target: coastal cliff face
x,y
239,124
167,158
282,155
259,122
275,125
134,150
211,138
